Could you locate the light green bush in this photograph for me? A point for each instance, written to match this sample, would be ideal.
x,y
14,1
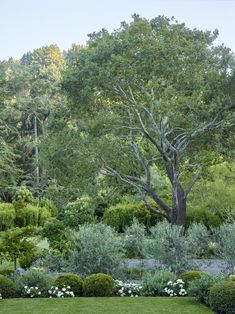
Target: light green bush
x,y
79,212
72,280
7,216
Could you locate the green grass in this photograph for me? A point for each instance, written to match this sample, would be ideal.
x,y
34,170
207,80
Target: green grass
x,y
115,305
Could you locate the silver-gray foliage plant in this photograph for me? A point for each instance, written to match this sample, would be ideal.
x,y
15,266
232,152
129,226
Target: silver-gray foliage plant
x,y
98,249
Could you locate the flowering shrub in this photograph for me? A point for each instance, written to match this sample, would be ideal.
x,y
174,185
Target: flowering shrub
x,y
175,288
128,289
64,292
32,292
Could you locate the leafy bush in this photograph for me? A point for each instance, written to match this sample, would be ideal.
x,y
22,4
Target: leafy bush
x,y
31,292
7,216
222,297
79,212
22,196
33,278
98,285
153,285
99,249
121,215
28,259
225,239
58,236
73,281
188,276
6,271
198,238
134,239
202,215
199,288
7,288
169,246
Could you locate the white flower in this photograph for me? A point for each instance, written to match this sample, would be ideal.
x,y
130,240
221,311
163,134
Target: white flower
x,y
171,294
36,288
49,291
25,287
39,292
63,289
169,282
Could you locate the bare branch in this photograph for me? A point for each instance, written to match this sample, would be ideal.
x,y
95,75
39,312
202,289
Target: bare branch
x,y
193,180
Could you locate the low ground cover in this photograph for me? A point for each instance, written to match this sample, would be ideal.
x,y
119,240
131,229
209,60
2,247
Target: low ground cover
x,y
163,305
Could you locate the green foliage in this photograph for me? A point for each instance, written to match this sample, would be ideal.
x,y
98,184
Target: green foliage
x,y
153,285
200,288
72,280
58,236
27,260
7,216
190,275
169,246
6,271
22,196
15,243
32,278
202,215
98,249
79,212
134,239
48,204
121,215
98,285
7,287
225,239
222,297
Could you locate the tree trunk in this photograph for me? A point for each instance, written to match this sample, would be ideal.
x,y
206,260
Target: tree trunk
x,y
179,206
36,150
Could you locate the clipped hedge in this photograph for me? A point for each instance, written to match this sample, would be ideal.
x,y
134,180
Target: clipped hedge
x,y
222,297
98,285
7,287
202,215
121,215
190,275
72,280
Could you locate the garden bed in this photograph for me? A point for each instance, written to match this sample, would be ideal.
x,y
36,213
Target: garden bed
x,y
114,305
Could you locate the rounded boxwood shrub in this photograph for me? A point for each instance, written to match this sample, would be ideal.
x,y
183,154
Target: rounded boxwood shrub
x,y
190,275
98,285
72,280
7,288
222,297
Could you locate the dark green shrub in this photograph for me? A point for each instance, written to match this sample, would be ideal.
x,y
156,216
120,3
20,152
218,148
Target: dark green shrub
x,y
121,216
199,288
72,280
6,271
153,285
32,278
98,285
27,260
202,215
188,276
7,287
222,297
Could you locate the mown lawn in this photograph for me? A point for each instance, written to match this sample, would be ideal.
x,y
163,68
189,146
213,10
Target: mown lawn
x,y
141,305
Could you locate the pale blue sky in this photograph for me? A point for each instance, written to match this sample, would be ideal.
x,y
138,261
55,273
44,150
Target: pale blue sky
x,y
29,24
